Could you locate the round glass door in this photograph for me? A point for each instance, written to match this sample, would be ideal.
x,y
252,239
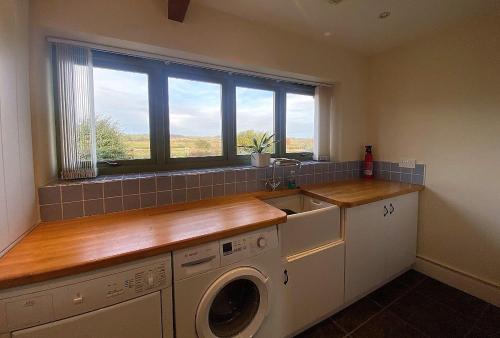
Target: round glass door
x,y
235,304
234,308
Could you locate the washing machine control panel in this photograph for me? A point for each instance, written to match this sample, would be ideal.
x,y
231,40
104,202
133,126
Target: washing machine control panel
x,y
247,245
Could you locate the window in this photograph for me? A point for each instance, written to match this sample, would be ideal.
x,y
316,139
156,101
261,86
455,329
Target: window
x,y
121,103
151,115
195,116
254,116
299,123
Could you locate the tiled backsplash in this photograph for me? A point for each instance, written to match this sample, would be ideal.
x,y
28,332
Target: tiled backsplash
x,y
108,194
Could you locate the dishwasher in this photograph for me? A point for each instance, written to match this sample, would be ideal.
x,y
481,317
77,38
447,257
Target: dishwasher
x,y
312,251
126,301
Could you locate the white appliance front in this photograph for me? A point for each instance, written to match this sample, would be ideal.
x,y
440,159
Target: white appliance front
x,y
139,317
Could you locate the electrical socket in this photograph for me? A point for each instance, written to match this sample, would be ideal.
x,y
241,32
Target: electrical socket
x,y
407,163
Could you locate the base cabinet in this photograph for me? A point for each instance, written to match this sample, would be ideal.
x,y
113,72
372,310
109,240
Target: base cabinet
x,y
313,286
381,242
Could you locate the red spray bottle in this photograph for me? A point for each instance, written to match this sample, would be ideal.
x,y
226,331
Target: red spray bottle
x,y
368,165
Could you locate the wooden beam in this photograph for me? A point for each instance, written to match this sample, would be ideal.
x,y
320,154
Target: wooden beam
x,y
177,9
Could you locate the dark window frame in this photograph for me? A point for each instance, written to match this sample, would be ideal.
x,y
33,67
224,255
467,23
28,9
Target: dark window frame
x,y
158,73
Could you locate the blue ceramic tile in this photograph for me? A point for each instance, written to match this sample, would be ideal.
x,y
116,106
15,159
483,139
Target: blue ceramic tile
x,y
93,207
406,178
51,212
396,177
218,177
178,182
419,169
93,191
112,189
395,167
179,196
130,187
131,202
148,200
386,166
240,175
113,204
384,175
406,170
417,179
72,210
230,189
218,190
148,185
49,195
164,183
229,176
192,181
72,193
164,198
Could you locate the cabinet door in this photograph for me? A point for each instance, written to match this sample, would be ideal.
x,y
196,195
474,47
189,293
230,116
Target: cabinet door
x,y
365,238
315,286
401,233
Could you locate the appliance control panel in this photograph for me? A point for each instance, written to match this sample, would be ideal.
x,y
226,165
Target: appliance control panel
x,y
236,248
72,296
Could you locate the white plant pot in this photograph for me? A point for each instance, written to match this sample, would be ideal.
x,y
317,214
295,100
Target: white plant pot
x,y
260,160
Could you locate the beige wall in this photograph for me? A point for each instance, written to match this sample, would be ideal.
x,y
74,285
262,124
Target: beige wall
x,y
438,100
17,193
205,35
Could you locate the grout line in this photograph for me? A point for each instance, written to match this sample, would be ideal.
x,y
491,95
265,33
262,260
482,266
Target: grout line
x,y
383,308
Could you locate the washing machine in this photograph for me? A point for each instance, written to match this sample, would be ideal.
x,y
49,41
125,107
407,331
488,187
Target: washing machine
x,y
229,288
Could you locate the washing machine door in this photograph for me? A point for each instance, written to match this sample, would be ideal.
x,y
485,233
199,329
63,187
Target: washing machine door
x,y
235,305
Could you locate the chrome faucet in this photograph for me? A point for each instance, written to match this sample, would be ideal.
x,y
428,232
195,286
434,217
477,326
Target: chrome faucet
x,y
273,183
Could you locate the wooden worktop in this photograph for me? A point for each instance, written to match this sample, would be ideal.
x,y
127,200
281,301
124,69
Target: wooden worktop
x,y
63,248
349,194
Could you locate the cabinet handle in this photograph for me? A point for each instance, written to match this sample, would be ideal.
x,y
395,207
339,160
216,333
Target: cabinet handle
x,y
392,208
385,211
285,277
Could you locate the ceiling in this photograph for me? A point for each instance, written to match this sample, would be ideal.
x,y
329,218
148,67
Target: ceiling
x,y
356,23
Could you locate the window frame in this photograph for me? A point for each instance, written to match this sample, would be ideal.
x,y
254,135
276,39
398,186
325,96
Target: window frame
x,y
300,90
259,84
202,75
135,65
159,128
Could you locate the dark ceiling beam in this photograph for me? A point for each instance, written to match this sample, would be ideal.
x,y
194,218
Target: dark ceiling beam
x,y
177,9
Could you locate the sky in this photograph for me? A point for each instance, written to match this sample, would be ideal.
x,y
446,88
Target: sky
x,y
195,106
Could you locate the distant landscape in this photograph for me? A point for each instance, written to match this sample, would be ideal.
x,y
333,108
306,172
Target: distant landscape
x,y
137,146
114,144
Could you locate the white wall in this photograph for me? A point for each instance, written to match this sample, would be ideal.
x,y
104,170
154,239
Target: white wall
x,y
206,34
17,194
438,100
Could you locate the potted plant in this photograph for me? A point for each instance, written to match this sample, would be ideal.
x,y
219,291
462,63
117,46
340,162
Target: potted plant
x,y
257,150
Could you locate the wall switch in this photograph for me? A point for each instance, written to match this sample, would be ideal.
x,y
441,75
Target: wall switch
x,y
407,163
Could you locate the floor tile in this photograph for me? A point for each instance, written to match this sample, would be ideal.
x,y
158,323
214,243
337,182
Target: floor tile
x,y
386,325
351,317
430,317
467,305
388,293
489,322
411,278
325,329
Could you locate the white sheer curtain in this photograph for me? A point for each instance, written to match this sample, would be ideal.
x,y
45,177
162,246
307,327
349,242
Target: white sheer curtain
x,y
76,111
322,122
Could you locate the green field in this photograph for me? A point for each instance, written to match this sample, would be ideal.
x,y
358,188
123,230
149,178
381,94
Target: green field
x,y
137,146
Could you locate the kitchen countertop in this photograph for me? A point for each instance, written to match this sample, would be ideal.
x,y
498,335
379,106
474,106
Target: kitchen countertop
x,y
62,248
349,194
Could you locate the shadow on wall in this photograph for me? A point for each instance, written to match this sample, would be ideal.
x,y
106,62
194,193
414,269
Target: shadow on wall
x,y
438,242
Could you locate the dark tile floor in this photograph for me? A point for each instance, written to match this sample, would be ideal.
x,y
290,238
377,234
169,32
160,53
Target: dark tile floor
x,y
413,305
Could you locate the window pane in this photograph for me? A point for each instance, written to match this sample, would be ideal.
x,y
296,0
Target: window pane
x,y
254,116
122,115
195,115
299,123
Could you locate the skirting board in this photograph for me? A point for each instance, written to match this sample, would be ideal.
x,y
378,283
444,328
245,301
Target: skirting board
x,y
484,290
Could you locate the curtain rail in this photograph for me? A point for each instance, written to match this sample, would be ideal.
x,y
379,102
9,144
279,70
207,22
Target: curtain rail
x,y
185,61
